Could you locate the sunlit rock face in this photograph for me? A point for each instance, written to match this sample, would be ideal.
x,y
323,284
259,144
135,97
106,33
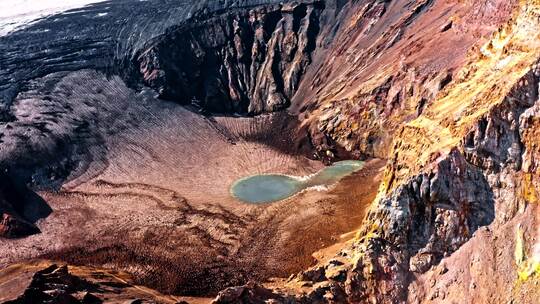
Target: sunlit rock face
x,y
392,59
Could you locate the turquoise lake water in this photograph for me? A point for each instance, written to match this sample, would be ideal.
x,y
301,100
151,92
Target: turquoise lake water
x,y
267,188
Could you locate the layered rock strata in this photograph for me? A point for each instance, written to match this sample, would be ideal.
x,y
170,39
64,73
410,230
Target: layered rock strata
x,y
456,215
243,61
391,61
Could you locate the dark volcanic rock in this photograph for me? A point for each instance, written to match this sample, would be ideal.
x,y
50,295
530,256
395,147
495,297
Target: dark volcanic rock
x,y
250,293
244,60
55,284
182,48
44,282
96,36
12,226
19,206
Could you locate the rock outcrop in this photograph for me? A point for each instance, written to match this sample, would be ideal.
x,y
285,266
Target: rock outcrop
x,y
12,225
55,284
244,60
47,282
389,63
12,207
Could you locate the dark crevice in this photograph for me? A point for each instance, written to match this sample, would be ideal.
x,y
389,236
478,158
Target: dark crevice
x,y
299,13
270,23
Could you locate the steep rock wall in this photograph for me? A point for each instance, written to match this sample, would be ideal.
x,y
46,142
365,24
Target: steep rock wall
x,y
392,59
243,61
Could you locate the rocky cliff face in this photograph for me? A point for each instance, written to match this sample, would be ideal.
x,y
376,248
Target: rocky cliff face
x,y
243,61
392,59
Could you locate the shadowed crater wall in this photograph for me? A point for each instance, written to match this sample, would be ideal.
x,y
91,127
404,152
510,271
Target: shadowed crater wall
x,y
248,60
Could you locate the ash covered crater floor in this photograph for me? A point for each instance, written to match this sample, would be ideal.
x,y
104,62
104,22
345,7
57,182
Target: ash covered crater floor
x,y
126,172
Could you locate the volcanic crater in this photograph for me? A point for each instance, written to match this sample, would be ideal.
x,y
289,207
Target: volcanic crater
x,y
135,157
401,134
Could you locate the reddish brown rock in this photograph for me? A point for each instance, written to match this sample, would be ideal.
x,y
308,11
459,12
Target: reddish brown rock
x,y
12,226
12,204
